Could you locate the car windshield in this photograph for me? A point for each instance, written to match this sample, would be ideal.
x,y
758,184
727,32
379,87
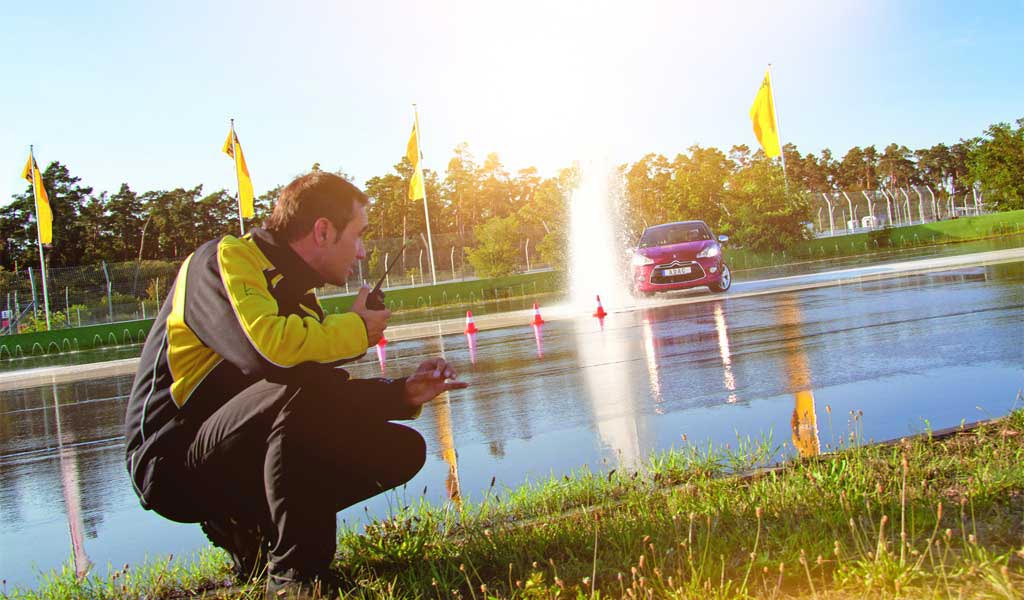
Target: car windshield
x,y
677,233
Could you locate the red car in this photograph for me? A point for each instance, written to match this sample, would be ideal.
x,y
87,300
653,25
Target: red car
x,y
676,256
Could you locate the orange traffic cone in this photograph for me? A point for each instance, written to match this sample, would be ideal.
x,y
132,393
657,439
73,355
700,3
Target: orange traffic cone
x,y
537,320
599,313
470,325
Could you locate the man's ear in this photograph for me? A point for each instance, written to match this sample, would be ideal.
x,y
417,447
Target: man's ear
x,y
321,231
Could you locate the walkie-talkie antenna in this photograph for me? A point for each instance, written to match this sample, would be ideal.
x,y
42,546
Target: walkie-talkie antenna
x,y
375,301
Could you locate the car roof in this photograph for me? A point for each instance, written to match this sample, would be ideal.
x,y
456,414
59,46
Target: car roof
x,y
674,224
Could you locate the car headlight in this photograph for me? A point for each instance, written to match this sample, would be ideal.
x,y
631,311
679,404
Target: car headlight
x,y
639,260
710,251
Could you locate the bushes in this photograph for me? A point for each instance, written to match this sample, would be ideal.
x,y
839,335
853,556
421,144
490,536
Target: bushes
x,y
33,323
497,253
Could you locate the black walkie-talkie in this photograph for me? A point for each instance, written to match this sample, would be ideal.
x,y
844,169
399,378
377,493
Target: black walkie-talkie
x,y
375,301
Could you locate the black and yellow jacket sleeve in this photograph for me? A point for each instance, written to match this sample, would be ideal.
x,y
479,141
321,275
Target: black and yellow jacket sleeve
x,y
241,310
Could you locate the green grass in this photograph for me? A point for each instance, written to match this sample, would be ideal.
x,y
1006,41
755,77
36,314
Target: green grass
x,y
166,577
918,518
927,234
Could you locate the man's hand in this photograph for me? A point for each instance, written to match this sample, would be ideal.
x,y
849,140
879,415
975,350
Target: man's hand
x,y
375,320
430,379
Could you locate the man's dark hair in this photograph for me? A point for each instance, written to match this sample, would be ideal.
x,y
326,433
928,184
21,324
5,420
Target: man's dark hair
x,y
309,197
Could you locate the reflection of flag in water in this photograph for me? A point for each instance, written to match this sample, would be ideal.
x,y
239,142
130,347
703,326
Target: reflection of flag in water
x,y
804,422
805,425
442,412
762,114
245,194
44,215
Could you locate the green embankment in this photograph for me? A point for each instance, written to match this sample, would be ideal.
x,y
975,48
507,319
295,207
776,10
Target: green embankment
x,y
458,292
927,234
74,339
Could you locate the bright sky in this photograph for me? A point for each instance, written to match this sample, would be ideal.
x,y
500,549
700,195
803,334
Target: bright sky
x,y
141,92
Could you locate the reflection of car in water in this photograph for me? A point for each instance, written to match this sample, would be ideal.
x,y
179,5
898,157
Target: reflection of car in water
x,y
676,256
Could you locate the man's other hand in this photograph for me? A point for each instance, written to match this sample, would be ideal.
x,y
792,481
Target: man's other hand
x,y
430,379
375,320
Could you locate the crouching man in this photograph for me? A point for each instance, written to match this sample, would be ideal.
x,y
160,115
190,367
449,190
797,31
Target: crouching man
x,y
239,417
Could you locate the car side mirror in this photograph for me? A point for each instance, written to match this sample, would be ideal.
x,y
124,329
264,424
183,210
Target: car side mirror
x,y
723,239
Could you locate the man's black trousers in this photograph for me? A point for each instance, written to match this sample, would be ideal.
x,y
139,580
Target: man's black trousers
x,y
289,457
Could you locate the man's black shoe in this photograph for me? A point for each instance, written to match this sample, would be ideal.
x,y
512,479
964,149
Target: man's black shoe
x,y
290,585
245,545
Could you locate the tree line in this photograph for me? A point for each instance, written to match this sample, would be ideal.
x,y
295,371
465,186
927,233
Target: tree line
x,y
489,209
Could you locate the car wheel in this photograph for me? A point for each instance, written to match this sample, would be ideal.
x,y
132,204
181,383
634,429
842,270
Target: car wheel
x,y
724,282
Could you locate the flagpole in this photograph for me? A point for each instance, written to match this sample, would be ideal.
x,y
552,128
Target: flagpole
x,y
778,131
238,181
39,239
426,211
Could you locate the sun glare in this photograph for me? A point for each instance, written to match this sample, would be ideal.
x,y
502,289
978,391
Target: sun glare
x,y
547,83
539,82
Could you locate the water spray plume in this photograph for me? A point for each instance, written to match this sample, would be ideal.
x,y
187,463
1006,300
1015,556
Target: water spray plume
x,y
470,325
596,241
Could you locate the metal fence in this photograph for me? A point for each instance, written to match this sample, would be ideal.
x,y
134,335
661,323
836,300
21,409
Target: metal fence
x,y
124,291
841,213
83,295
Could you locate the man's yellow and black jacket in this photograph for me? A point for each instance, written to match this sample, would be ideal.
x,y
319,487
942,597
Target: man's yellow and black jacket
x,y
241,310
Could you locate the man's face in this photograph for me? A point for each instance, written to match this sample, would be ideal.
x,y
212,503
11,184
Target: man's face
x,y
342,253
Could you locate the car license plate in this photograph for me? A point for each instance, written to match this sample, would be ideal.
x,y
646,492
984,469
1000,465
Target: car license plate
x,y
676,271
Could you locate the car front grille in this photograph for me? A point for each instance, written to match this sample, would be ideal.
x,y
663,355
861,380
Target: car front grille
x,y
696,272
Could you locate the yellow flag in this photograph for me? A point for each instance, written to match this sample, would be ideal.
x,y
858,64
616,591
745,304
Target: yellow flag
x,y
412,152
44,216
416,184
412,149
762,113
245,195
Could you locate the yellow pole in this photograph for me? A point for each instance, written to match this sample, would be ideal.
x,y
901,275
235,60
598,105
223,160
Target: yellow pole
x,y
778,132
39,233
426,211
238,181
